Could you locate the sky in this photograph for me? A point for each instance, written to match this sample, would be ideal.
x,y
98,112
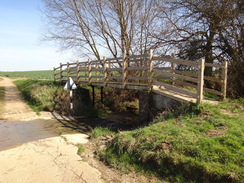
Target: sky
x,y
21,30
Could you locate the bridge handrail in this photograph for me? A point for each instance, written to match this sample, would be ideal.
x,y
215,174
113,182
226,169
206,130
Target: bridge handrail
x,y
145,70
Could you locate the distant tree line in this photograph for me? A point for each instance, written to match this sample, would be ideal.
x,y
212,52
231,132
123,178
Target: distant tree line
x,y
192,29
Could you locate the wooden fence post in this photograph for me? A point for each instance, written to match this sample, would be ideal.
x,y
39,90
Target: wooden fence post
x,y
61,72
54,74
68,70
200,82
125,70
89,71
150,79
224,78
96,70
78,71
105,75
173,70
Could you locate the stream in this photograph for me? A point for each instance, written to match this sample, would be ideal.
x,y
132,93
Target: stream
x,y
13,134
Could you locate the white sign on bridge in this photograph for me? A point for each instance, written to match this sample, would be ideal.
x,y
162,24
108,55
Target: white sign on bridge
x,y
70,84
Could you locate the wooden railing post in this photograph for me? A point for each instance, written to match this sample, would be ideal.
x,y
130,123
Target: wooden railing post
x,y
54,74
89,71
224,78
105,75
61,72
173,70
125,70
78,71
200,80
68,70
96,70
150,75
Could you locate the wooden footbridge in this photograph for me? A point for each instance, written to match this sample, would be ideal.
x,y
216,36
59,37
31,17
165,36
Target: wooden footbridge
x,y
181,80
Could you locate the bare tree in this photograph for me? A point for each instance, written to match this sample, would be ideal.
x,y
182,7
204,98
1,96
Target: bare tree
x,y
196,26
207,28
95,26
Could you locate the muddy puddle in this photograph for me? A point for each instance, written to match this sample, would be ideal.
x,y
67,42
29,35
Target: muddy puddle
x,y
13,134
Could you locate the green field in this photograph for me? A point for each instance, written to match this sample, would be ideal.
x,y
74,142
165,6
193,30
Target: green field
x,y
45,74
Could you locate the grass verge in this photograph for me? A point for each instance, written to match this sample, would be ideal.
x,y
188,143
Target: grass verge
x,y
100,131
46,95
196,143
38,94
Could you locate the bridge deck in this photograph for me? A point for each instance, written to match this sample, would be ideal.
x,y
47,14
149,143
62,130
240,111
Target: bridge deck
x,y
156,89
179,96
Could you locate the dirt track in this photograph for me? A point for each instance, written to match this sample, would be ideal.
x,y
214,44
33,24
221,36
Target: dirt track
x,y
15,109
53,160
49,159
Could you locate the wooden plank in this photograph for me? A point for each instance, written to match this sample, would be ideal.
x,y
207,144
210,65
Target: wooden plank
x,y
224,77
138,68
136,56
115,69
160,78
115,62
105,71
56,68
72,63
61,71
173,72
138,77
115,77
83,76
177,61
83,70
186,73
98,77
163,68
185,84
175,89
200,81
93,62
150,73
89,70
213,91
125,70
72,72
98,69
176,75
136,87
173,95
118,58
114,85
213,79
214,65
137,60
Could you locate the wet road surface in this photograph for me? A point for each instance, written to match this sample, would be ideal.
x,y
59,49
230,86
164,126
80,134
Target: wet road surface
x,y
13,134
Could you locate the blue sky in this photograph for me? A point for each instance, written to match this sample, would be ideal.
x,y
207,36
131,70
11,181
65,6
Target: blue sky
x,y
21,48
